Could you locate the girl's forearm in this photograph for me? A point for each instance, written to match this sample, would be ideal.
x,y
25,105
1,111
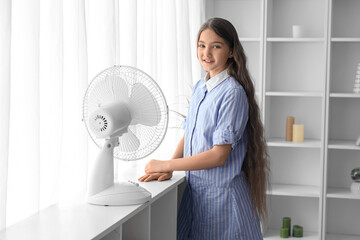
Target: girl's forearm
x,y
214,157
179,151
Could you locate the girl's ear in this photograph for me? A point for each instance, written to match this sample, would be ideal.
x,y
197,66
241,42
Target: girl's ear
x,y
231,54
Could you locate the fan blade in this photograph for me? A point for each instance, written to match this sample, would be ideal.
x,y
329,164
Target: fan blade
x,y
113,88
118,88
128,142
143,106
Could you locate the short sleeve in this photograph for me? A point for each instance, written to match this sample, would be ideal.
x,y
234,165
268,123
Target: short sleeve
x,y
232,118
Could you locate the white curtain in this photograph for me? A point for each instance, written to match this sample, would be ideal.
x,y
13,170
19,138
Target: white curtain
x,y
157,36
49,51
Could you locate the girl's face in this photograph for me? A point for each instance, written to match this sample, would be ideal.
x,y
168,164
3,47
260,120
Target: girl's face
x,y
212,52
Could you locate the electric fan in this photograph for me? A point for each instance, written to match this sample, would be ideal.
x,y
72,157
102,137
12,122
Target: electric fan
x,y
126,115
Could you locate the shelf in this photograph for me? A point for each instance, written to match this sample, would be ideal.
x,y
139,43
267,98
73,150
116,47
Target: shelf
x,y
275,234
341,193
294,190
343,66
330,236
343,144
342,39
345,95
308,143
294,67
249,39
293,94
290,39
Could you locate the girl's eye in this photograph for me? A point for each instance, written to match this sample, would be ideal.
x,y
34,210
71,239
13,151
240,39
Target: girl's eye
x,y
216,46
201,45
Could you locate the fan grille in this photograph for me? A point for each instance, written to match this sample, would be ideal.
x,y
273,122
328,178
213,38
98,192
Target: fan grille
x,y
116,84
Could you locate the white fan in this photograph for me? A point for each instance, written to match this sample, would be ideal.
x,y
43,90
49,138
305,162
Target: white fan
x,y
126,115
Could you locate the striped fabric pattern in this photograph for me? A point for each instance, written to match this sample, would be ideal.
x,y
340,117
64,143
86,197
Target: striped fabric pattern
x,y
217,203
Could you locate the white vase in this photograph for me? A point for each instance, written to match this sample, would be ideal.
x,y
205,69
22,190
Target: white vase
x,y
357,80
298,31
355,187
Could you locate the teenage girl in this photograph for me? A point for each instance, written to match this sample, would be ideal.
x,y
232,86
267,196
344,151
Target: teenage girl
x,y
223,150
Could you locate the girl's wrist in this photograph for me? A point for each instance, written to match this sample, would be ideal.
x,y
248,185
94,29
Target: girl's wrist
x,y
169,166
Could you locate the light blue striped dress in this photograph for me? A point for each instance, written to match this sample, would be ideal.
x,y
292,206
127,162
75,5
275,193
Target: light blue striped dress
x,y
217,203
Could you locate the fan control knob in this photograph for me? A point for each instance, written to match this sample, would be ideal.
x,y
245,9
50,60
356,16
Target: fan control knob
x,y
136,184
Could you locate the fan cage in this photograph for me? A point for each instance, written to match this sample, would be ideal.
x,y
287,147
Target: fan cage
x,y
150,136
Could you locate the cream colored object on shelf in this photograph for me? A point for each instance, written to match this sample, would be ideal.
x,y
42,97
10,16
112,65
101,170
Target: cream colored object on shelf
x,y
298,133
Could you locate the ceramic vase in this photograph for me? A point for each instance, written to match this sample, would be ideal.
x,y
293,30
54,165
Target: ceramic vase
x,y
357,80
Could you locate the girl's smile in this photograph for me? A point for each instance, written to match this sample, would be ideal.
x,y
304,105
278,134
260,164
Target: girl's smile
x,y
207,62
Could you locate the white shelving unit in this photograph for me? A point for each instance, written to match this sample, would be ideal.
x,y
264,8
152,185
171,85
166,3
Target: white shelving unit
x,y
294,80
310,78
342,121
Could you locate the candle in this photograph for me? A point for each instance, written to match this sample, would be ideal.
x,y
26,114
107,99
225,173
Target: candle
x,y
297,231
289,128
298,133
284,232
287,224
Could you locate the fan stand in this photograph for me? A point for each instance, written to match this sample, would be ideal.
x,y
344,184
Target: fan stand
x,y
102,190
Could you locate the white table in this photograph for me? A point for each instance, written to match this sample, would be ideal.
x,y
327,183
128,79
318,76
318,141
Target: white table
x,y
153,220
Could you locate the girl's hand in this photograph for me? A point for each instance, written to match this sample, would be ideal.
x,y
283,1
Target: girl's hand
x,y
156,166
156,176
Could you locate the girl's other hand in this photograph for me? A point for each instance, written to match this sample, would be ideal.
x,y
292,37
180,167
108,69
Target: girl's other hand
x,y
161,176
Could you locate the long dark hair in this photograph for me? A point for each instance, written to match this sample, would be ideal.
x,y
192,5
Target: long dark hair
x,y
256,164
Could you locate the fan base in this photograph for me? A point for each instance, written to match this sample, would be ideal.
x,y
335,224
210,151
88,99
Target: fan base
x,y
121,194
